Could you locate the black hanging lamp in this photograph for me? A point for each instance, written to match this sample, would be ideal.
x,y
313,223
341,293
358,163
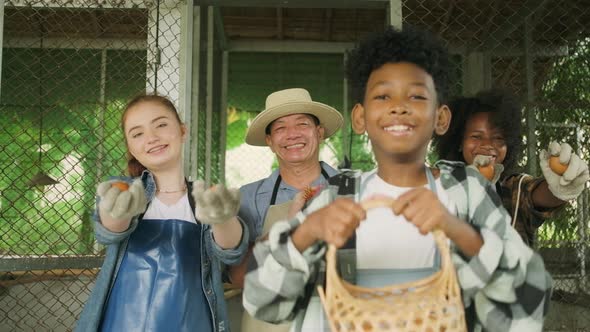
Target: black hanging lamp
x,y
41,179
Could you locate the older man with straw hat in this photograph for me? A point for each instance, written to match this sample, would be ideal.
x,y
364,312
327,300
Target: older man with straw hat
x,y
292,126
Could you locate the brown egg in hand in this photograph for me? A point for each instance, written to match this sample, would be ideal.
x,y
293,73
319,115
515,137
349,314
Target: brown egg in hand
x,y
123,186
487,171
556,166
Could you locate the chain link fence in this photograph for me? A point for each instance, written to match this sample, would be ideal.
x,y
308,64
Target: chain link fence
x,y
68,67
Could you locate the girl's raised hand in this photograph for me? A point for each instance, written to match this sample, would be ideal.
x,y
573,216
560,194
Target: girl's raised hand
x,y
215,205
121,203
571,183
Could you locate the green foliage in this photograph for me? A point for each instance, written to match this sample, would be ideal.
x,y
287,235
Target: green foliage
x,y
565,99
81,143
361,153
237,125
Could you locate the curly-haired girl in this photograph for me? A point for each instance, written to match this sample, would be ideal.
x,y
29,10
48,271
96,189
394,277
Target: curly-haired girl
x,y
486,130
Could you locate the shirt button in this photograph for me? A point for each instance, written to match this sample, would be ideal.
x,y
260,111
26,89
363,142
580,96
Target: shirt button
x,y
209,291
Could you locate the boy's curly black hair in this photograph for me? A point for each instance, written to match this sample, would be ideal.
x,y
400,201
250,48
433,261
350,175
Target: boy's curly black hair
x,y
392,46
505,112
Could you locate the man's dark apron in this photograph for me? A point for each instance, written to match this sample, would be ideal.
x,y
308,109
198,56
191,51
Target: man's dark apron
x,y
275,213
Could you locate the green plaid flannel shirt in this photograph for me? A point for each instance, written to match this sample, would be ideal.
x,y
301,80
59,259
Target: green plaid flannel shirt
x,y
505,287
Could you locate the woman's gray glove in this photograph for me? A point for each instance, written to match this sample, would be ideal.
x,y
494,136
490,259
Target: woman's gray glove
x,y
121,205
571,184
215,205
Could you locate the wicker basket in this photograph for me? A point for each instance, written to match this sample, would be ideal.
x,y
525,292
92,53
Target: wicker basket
x,y
429,304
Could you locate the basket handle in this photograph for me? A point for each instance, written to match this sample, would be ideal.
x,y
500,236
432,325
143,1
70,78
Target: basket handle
x,y
439,237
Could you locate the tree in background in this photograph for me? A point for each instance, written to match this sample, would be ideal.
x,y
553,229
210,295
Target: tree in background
x,y
565,99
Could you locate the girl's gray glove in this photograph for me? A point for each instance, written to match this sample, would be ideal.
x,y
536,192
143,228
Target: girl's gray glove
x,y
121,205
481,161
215,205
571,184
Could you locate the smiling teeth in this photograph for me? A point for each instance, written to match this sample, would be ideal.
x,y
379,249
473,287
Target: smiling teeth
x,y
397,128
294,146
158,148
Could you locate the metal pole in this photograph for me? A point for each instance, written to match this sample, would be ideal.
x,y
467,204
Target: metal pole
x,y
582,223
346,132
1,35
209,97
223,125
395,13
185,100
101,114
530,109
101,125
195,92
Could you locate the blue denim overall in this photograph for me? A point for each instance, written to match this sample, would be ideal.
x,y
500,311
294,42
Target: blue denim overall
x,y
158,286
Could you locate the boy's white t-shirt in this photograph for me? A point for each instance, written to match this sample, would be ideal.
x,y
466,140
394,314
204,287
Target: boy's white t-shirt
x,y
181,210
387,241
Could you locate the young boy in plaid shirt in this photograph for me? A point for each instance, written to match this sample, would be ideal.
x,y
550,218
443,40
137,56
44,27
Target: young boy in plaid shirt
x,y
399,81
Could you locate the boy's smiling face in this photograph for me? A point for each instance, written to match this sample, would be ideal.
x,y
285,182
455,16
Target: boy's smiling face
x,y
400,112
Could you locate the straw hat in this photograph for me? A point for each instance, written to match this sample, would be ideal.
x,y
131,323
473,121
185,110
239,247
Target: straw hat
x,y
287,102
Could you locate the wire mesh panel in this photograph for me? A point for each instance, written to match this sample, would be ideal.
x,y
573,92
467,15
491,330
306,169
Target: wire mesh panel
x,y
68,68
67,71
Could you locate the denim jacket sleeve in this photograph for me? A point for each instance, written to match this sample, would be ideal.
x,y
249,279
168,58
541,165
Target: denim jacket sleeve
x,y
106,237
231,256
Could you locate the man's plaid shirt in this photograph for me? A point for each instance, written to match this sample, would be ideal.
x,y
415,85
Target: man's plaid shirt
x,y
505,287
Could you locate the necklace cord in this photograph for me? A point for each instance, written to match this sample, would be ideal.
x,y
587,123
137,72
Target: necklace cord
x,y
171,191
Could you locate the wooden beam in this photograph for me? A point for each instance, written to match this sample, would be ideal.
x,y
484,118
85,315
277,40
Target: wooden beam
x,y
28,263
291,46
220,27
447,16
76,43
96,23
280,32
329,14
296,3
86,4
304,46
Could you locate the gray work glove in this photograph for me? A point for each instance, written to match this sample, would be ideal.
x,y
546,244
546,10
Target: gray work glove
x,y
481,160
215,205
121,205
571,183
